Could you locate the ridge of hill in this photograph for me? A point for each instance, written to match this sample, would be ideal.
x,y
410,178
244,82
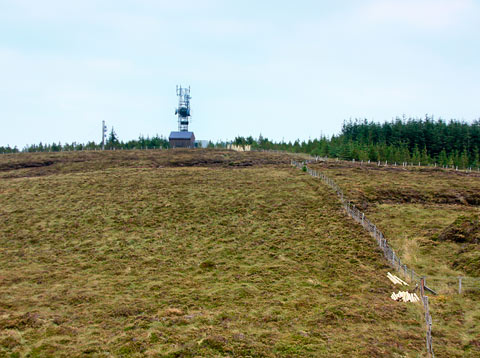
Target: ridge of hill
x,y
41,163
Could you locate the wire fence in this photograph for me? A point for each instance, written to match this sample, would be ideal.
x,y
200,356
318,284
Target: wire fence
x,y
382,242
428,319
465,169
447,285
453,285
362,219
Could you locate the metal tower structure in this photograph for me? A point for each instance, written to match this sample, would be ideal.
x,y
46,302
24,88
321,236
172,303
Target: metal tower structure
x,y
104,134
183,110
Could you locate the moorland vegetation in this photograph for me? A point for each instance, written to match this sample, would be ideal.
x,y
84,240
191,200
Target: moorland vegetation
x,y
188,253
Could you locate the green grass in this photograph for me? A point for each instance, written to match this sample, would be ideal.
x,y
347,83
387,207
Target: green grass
x,y
413,207
209,260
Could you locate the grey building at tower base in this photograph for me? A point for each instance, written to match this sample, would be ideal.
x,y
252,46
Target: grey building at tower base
x,y
182,139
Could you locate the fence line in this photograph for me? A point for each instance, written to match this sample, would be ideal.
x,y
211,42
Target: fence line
x,y
382,242
467,169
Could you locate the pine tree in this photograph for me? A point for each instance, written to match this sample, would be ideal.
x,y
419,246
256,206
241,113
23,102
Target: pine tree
x,y
416,156
464,159
372,153
442,157
424,158
476,158
112,141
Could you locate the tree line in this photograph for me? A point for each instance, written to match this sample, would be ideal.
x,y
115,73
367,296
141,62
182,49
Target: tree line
x,y
425,141
112,142
413,140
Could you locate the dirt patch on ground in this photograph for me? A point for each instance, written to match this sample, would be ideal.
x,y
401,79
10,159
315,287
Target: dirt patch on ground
x,y
465,229
410,195
27,164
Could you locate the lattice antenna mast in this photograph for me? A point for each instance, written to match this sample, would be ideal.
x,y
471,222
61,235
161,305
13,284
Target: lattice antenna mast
x,y
183,110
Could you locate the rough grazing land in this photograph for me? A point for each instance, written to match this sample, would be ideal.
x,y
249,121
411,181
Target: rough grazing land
x,y
201,261
40,164
431,218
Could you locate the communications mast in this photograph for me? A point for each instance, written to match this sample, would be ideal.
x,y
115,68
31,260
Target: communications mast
x,y
183,138
183,110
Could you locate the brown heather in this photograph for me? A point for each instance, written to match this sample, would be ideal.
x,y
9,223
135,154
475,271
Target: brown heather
x,y
201,253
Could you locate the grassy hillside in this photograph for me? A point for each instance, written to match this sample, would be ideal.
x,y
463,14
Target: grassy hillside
x,y
40,164
234,255
418,209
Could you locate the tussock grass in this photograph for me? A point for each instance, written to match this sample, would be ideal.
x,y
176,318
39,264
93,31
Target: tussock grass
x,y
413,207
201,261
41,164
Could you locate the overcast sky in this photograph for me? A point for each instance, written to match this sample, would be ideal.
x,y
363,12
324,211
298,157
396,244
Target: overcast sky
x,y
286,69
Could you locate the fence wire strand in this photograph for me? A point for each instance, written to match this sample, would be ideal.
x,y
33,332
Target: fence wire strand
x,y
382,242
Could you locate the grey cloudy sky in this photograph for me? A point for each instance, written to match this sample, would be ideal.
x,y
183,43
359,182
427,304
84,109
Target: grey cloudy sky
x,y
286,69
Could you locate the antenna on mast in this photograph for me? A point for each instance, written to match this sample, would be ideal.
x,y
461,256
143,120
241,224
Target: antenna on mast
x,y
183,138
104,134
183,110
